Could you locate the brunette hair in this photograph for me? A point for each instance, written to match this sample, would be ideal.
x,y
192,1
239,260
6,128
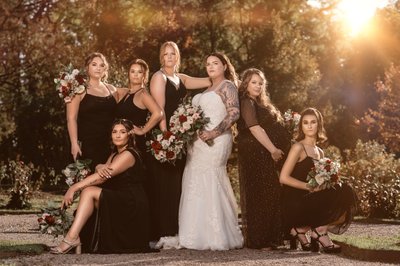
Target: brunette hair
x,y
144,67
321,133
89,59
176,49
263,99
128,126
229,72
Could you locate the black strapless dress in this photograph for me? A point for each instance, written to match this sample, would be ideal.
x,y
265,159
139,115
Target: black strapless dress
x,y
95,117
335,206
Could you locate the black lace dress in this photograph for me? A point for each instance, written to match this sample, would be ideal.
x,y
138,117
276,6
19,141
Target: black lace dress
x,y
121,224
260,190
334,206
128,110
95,117
165,179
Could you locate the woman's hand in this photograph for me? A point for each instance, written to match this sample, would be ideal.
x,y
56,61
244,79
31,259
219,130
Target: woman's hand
x,y
206,135
137,131
68,198
104,171
277,154
75,150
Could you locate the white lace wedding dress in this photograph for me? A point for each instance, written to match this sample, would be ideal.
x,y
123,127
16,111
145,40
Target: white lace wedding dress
x,y
208,210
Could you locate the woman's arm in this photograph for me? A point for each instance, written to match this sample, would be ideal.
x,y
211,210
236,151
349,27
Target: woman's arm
x,y
192,83
259,133
113,91
72,125
156,113
157,90
120,164
295,154
230,98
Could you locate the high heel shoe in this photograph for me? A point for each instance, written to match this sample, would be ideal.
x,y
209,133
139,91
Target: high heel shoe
x,y
316,242
306,246
70,245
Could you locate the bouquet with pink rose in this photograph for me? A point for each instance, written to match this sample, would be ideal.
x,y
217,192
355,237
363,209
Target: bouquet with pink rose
x,y
325,173
69,83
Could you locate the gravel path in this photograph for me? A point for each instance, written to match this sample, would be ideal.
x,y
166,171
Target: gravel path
x,y
24,227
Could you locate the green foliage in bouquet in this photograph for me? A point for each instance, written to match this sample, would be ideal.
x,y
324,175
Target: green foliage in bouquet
x,y
374,175
54,221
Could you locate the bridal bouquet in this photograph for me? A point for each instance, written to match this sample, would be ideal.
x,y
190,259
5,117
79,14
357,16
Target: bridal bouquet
x,y
292,119
54,220
165,146
325,173
187,120
69,83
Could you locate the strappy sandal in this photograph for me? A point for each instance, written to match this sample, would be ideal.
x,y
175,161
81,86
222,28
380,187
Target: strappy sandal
x,y
306,246
316,242
71,245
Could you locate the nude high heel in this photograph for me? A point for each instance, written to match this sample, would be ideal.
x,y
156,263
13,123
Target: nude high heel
x,y
77,245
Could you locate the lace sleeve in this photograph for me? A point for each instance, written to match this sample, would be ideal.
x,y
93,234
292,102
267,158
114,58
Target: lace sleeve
x,y
248,112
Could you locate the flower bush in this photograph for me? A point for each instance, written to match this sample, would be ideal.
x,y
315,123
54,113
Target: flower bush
x,y
17,175
374,175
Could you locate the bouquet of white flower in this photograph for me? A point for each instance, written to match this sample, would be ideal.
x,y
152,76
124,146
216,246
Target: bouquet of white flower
x,y
325,173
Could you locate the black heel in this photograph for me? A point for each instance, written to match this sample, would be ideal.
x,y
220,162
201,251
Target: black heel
x,y
314,245
293,242
327,249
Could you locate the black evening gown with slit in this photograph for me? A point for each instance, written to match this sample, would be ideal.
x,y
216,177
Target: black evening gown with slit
x,y
260,190
95,117
334,206
165,179
121,223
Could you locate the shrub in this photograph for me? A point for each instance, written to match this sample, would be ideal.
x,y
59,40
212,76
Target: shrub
x,y
374,175
19,177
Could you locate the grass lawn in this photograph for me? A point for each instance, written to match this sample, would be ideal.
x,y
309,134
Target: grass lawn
x,y
375,243
8,248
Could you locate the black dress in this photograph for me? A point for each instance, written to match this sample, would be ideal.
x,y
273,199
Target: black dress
x,y
95,118
325,207
165,179
128,110
121,224
260,190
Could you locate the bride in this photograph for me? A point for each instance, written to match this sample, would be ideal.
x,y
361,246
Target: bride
x,y
208,210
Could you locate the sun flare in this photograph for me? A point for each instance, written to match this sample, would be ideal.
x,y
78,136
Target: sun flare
x,y
357,13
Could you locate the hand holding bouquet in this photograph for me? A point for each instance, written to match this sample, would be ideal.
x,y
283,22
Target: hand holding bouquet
x,y
187,120
324,174
54,220
69,83
165,146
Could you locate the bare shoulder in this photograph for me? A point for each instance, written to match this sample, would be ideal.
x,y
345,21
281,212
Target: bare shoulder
x,y
158,76
297,147
111,87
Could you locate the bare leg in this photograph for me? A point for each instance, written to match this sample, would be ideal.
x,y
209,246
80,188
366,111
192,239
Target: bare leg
x,y
89,200
324,239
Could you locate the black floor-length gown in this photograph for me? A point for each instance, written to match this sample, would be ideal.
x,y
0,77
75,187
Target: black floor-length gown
x,y
95,117
121,224
165,179
334,206
260,190
128,110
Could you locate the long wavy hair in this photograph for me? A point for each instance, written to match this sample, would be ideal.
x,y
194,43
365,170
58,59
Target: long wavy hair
x,y
176,49
145,68
90,58
131,139
321,133
229,72
263,99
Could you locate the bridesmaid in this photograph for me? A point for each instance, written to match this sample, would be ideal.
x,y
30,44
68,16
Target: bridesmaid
x,y
262,141
135,103
90,114
305,207
168,88
117,202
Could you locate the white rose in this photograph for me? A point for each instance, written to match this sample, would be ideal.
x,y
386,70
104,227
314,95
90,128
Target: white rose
x,y
159,137
75,72
320,179
190,120
186,125
63,83
80,89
